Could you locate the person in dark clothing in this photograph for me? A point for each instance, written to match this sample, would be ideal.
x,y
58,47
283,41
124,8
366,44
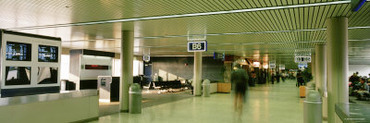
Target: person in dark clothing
x,y
239,79
354,79
300,80
253,79
277,77
272,78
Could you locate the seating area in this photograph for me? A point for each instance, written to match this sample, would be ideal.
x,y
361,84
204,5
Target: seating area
x,y
359,87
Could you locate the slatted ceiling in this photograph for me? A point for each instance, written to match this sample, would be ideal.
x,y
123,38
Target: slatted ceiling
x,y
237,4
359,34
144,8
271,20
362,17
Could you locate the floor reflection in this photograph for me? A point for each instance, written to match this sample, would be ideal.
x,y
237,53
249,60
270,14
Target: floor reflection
x,y
278,103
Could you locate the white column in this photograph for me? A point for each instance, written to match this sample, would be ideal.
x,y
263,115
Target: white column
x,y
337,54
320,75
127,45
197,78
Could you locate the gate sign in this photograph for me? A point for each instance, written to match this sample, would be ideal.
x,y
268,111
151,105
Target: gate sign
x,y
272,64
302,59
282,67
197,46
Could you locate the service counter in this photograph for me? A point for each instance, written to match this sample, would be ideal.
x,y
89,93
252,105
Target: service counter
x,y
224,87
213,88
57,107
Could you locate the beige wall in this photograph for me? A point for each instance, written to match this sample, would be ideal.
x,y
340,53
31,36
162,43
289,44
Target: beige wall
x,y
65,51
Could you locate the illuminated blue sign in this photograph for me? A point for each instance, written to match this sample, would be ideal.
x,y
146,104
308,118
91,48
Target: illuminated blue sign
x,y
357,4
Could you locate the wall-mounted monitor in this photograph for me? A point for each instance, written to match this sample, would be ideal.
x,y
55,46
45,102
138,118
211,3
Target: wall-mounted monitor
x,y
48,53
18,51
17,75
47,75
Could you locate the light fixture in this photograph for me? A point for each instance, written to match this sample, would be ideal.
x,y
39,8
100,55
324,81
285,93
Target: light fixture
x,y
265,65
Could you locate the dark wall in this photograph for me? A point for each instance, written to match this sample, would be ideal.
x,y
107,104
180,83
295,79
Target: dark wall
x,y
212,69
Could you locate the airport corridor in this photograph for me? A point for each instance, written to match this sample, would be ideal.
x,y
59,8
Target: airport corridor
x,y
267,103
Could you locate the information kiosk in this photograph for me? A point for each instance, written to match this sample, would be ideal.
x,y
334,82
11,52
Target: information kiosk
x,y
29,64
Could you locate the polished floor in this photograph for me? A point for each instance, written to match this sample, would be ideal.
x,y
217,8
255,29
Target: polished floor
x,y
150,98
271,103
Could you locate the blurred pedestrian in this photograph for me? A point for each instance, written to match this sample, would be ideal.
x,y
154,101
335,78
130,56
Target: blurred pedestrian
x,y
300,80
277,77
239,79
283,76
272,77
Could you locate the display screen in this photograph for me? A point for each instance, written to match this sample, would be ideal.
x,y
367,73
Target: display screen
x,y
17,75
47,75
48,53
18,51
97,67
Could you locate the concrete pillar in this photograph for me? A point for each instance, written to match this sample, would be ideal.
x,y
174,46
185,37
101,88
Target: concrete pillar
x,y
320,67
197,78
127,45
320,75
337,54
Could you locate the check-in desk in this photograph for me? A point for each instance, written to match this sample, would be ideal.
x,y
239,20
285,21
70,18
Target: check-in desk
x,y
45,108
224,87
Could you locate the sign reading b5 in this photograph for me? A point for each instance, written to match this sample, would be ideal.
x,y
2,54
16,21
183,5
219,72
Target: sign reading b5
x,y
197,46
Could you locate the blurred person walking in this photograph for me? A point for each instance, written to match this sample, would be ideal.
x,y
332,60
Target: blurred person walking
x,y
239,79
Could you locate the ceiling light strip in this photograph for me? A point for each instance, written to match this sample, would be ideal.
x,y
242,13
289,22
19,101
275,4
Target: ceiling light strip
x,y
360,27
243,33
234,33
180,16
218,34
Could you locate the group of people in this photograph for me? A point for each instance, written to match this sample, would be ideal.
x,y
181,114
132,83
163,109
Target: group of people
x,y
240,79
277,77
359,86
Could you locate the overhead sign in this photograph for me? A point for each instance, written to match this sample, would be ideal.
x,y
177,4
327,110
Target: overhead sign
x,y
356,4
302,59
219,56
272,64
197,46
265,65
256,64
282,67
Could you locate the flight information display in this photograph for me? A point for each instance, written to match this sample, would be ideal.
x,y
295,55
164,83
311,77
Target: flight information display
x,y
18,51
48,53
